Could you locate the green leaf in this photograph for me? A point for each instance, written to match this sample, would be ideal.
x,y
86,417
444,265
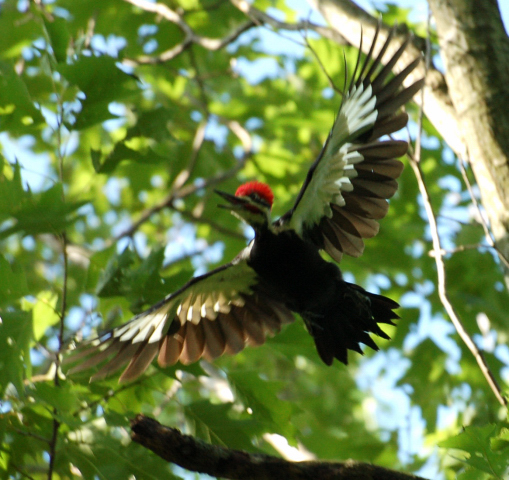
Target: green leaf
x,y
102,82
32,214
15,338
17,110
214,424
112,281
61,397
59,36
13,283
476,442
261,396
44,313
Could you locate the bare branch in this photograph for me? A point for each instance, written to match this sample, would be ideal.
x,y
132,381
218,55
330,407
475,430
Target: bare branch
x,y
189,36
195,218
257,17
261,18
459,248
198,456
487,233
438,253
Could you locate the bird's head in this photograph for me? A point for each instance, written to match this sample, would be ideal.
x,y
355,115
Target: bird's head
x,y
251,203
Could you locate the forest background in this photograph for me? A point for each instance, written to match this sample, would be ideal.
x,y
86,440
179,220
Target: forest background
x,y
118,120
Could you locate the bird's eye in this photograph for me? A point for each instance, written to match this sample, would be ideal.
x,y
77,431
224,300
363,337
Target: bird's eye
x,y
258,199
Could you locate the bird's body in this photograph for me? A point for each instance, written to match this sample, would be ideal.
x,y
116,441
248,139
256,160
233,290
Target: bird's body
x,y
282,270
293,269
337,313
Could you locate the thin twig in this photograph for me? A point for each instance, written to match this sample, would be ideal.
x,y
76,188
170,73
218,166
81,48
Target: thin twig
x,y
459,248
30,434
206,221
487,232
184,175
439,261
262,18
60,154
322,67
21,472
90,406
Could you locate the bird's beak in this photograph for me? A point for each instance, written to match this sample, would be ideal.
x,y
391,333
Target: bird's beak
x,y
235,203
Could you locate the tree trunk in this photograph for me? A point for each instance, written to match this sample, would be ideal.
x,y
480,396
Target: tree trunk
x,y
475,51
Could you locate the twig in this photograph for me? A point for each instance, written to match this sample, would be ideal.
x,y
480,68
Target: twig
x,y
31,435
56,379
90,406
21,472
190,37
262,18
205,221
168,202
459,248
184,175
487,233
439,261
198,456
322,67
442,289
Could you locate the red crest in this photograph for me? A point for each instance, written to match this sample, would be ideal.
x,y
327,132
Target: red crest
x,y
257,188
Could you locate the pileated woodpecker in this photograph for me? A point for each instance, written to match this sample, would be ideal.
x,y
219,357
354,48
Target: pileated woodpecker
x,y
281,270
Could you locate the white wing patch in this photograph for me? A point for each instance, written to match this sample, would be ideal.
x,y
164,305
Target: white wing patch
x,y
205,299
196,307
337,165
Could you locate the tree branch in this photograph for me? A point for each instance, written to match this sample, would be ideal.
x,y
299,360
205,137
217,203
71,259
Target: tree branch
x,y
261,18
442,284
190,37
257,17
198,456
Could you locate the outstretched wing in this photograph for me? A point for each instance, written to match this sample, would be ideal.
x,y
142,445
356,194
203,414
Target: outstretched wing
x,y
347,187
219,312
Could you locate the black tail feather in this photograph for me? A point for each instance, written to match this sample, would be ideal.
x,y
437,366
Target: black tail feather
x,y
355,315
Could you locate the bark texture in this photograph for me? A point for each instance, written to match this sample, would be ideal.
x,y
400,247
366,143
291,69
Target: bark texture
x,y
475,50
198,456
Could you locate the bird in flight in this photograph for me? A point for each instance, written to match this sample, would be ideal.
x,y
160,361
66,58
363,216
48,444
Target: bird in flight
x,y
281,271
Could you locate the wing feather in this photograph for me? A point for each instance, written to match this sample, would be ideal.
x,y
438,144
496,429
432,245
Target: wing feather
x,y
215,344
219,312
194,343
235,338
347,187
140,361
171,348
